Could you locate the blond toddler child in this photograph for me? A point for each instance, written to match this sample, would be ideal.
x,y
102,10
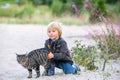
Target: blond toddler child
x,y
59,55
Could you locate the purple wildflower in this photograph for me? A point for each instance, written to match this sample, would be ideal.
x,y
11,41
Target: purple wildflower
x,y
74,6
114,54
86,6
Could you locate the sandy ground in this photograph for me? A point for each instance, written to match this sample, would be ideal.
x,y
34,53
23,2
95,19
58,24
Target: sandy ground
x,y
24,38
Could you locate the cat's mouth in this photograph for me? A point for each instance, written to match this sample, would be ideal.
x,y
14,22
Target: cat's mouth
x,y
24,62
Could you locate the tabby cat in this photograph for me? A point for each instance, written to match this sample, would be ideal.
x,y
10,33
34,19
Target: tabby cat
x,y
34,59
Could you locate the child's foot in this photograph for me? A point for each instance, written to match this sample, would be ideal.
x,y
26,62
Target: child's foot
x,y
76,68
50,72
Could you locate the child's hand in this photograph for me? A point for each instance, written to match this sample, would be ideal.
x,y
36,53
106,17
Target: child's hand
x,y
50,56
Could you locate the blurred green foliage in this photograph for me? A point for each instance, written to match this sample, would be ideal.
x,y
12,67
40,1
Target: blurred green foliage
x,y
41,2
21,2
112,1
57,7
38,2
6,12
25,8
7,1
101,6
118,7
28,10
96,9
67,7
15,11
9,12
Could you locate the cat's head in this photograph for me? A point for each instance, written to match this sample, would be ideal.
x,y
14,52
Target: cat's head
x,y
22,59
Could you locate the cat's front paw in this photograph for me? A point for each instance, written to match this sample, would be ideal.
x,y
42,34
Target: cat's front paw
x,y
38,75
29,77
44,73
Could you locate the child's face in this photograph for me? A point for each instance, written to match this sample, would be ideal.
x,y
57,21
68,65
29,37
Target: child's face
x,y
53,34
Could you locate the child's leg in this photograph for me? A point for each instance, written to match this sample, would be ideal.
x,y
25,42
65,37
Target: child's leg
x,y
68,68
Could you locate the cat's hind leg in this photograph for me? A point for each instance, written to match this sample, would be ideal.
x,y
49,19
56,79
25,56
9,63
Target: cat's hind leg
x,y
37,71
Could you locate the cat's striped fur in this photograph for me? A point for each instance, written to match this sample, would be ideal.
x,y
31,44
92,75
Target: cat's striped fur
x,y
34,59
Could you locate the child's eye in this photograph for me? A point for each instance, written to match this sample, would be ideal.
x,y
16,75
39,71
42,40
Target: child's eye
x,y
49,31
54,31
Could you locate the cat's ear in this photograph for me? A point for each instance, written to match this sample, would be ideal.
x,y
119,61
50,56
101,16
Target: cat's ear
x,y
26,54
16,54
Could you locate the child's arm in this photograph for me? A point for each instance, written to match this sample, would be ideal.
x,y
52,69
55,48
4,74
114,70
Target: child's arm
x,y
63,53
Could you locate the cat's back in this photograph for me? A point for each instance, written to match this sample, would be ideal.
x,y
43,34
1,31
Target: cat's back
x,y
41,51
